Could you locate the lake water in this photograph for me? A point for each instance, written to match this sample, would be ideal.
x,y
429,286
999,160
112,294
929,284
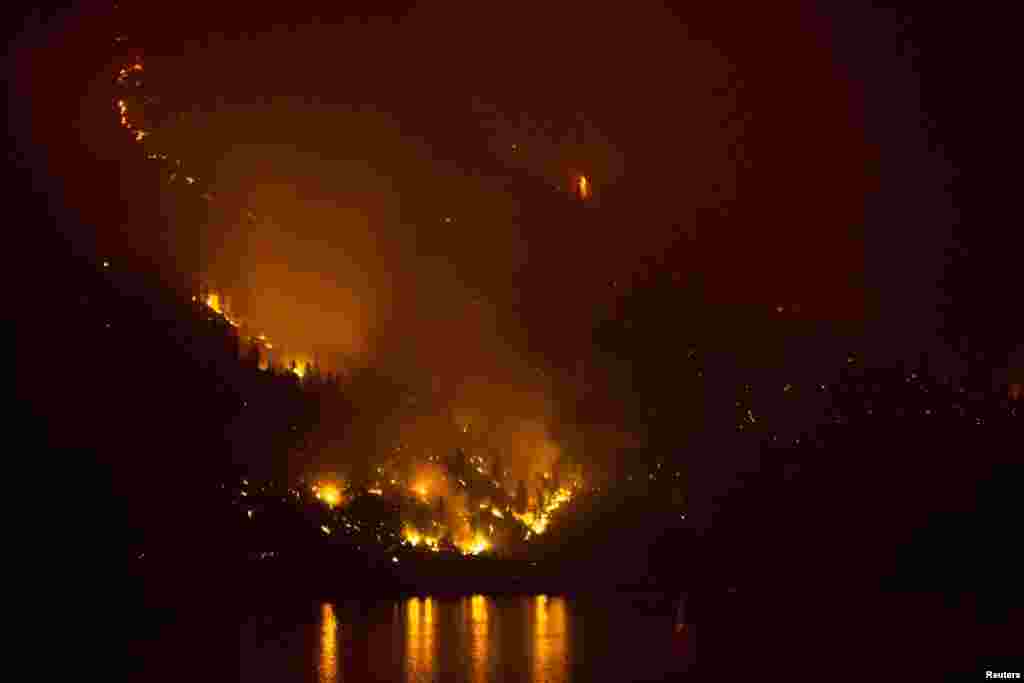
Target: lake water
x,y
537,638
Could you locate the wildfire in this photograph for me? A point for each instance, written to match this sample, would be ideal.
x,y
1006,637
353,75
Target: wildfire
x,y
476,546
213,302
414,538
131,115
219,306
129,73
583,187
537,522
561,496
328,493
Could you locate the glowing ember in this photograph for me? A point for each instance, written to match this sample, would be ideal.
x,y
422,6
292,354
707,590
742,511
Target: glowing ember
x,y
376,492
497,513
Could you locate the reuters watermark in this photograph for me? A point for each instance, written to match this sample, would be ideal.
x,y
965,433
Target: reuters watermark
x,y
1001,674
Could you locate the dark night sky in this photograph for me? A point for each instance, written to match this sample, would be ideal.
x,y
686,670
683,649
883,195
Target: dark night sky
x,y
800,155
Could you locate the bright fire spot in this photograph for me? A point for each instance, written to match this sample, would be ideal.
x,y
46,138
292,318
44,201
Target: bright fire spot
x,y
414,538
324,528
213,301
329,494
537,522
583,187
478,545
497,513
376,492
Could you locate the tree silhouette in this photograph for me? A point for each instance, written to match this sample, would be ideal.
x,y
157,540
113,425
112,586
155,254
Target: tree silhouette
x,y
252,356
447,544
522,498
461,466
543,486
498,469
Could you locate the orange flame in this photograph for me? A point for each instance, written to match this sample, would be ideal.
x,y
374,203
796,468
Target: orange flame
x,y
583,187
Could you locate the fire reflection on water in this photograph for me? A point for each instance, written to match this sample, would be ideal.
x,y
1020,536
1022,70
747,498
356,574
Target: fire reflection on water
x,y
420,655
328,663
550,636
476,647
479,659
